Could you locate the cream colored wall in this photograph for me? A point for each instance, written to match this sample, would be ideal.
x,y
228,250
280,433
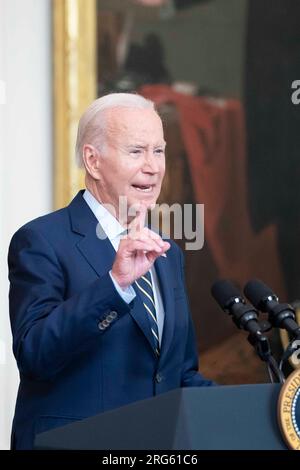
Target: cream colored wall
x,y
25,152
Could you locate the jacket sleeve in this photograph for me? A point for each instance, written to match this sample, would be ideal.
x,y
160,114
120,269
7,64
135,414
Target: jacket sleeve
x,y
49,330
190,376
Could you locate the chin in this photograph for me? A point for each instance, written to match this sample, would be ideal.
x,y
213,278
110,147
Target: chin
x,y
146,202
149,202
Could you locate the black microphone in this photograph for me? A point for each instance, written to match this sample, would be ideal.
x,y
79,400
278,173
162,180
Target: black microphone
x,y
230,300
245,316
264,299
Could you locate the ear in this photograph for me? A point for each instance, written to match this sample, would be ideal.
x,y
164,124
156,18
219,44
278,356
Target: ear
x,y
92,160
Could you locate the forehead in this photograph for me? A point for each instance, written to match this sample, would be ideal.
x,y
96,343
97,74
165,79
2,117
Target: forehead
x,y
133,123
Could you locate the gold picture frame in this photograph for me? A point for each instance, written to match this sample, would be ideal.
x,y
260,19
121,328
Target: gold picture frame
x,y
74,87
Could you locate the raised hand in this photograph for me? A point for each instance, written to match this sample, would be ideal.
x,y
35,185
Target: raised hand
x,y
137,251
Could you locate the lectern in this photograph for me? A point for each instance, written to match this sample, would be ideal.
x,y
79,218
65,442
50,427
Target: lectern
x,y
224,417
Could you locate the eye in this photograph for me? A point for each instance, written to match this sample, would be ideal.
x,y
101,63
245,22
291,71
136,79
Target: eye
x,y
136,151
159,151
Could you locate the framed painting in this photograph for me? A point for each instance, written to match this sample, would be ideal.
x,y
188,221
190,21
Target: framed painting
x,y
219,73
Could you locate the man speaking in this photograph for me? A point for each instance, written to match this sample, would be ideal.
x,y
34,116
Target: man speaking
x,y
98,307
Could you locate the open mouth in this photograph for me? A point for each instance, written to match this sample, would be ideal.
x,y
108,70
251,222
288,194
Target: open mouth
x,y
143,188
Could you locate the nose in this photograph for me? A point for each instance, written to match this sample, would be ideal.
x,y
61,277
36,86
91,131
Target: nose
x,y
151,163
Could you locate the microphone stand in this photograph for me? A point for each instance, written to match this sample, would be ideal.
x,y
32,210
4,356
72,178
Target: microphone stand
x,y
245,316
261,344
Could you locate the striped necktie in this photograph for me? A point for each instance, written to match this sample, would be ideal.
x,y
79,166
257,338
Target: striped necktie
x,y
144,284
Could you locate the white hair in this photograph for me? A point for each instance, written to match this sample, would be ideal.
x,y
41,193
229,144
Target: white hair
x,y
92,130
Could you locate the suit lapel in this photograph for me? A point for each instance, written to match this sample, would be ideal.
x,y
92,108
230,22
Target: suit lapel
x,y
97,251
164,275
100,254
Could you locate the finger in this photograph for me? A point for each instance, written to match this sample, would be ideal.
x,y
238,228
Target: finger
x,y
152,256
166,247
138,222
144,236
153,235
141,245
147,232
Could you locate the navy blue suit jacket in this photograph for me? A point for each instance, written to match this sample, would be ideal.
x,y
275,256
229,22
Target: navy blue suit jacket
x,y
60,291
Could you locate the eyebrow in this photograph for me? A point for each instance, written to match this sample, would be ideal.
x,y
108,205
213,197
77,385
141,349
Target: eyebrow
x,y
143,146
137,146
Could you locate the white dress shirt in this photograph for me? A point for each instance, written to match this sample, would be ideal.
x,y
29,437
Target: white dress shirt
x,y
113,230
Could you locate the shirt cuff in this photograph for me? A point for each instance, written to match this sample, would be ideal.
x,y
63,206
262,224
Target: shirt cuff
x,y
127,294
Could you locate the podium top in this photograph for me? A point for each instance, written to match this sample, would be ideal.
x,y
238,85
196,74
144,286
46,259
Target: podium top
x,y
222,417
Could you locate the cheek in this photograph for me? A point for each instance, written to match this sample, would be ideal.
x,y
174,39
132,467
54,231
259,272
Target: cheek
x,y
125,176
118,173
129,171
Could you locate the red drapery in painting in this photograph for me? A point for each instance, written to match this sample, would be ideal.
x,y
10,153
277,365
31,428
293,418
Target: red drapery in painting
x,y
213,132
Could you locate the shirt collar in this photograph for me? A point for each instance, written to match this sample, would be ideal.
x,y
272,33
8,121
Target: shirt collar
x,y
108,222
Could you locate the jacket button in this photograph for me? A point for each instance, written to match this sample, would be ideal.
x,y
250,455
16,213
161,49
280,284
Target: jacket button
x,y
113,314
101,326
111,317
159,377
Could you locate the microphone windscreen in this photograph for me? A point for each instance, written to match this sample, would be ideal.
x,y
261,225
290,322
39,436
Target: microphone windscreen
x,y
256,291
224,292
